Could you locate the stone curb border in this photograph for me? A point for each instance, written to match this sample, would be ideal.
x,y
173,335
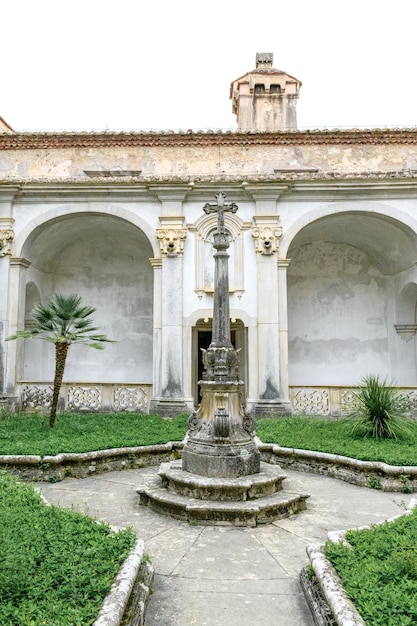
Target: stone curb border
x,y
342,609
83,464
79,465
361,473
126,601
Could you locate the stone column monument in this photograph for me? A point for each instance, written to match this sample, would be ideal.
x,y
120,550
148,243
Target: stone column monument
x,y
221,436
220,479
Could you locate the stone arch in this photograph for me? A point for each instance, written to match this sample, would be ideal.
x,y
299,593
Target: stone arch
x,y
26,234
244,328
105,259
341,281
383,213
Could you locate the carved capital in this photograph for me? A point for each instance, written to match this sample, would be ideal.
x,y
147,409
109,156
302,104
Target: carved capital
x,y
267,238
171,240
6,240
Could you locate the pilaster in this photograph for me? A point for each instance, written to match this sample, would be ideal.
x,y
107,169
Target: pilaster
x,y
283,331
7,195
15,316
271,357
168,396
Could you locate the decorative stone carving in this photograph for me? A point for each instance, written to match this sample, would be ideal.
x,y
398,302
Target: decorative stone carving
x,y
220,442
266,238
36,397
171,240
347,400
221,363
84,398
6,240
406,331
130,399
310,401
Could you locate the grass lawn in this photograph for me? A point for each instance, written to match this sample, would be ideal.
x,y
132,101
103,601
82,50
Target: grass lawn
x,y
73,432
57,565
334,436
31,434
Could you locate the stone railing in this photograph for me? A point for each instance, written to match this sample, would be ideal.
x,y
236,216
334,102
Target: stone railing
x,y
88,397
332,401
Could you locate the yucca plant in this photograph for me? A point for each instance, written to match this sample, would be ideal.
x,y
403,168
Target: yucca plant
x,y
379,410
63,320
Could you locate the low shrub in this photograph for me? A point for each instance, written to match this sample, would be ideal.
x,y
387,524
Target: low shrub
x,y
57,565
379,571
379,410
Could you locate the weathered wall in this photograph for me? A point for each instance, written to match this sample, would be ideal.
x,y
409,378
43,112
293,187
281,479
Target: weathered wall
x,y
107,264
336,315
175,158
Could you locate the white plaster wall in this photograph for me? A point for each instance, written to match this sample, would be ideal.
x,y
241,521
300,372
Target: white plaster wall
x,y
106,262
337,315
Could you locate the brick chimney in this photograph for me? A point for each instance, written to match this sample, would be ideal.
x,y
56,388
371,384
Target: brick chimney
x,y
266,98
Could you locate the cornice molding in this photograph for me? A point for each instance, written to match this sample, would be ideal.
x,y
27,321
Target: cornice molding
x,y
184,184
40,141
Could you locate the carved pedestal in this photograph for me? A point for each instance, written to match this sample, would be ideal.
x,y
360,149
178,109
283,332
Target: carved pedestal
x,y
220,437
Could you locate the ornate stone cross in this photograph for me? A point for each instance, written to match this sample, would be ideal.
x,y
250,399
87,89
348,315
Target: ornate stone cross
x,y
220,360
220,208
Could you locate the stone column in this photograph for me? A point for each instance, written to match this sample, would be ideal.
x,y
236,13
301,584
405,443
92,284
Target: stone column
x,y
272,399
283,332
16,320
157,326
6,250
168,396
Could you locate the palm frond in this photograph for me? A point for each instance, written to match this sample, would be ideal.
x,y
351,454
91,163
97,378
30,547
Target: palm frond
x,y
63,319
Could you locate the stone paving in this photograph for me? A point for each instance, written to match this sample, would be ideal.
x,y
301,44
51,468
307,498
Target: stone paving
x,y
225,576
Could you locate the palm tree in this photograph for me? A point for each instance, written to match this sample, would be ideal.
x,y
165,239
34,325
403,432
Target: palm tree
x,y
63,320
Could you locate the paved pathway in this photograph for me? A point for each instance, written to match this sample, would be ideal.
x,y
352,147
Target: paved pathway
x,y
221,576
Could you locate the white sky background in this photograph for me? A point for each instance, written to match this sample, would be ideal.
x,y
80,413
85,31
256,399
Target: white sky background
x,y
168,64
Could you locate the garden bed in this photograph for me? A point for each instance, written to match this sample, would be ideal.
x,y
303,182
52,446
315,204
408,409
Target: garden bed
x,y
380,580
63,568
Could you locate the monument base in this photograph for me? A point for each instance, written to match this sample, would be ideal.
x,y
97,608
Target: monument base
x,y
221,460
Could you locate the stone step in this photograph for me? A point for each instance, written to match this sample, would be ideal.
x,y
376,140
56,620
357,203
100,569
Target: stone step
x,y
266,483
220,513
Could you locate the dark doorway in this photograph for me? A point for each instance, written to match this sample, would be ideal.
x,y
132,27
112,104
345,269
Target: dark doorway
x,y
202,338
